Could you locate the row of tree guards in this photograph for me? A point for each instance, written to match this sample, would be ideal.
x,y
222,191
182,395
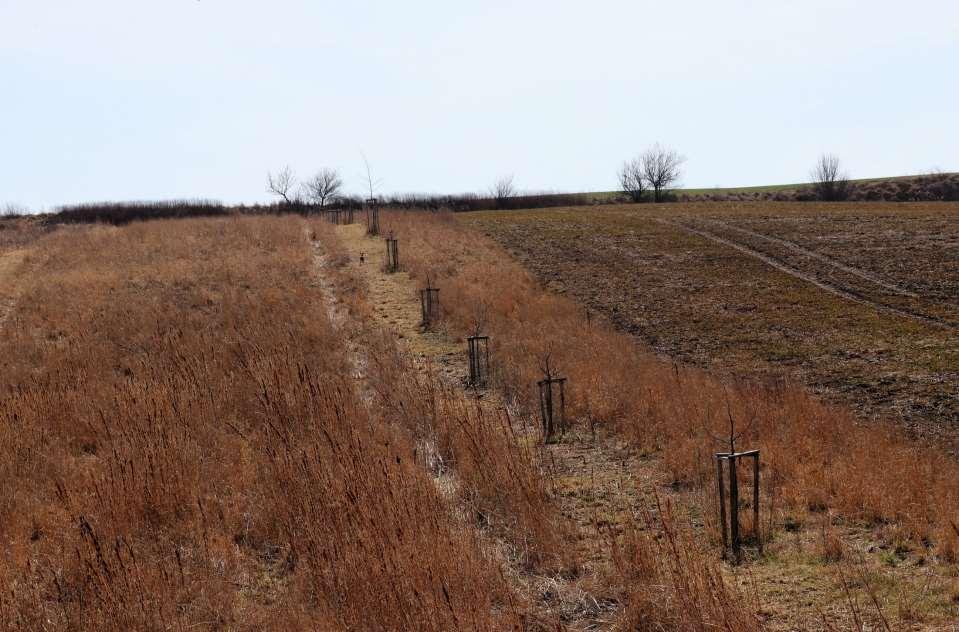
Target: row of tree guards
x,y
373,229
552,402
552,409
338,216
372,217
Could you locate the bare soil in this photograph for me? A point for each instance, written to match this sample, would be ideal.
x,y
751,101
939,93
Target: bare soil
x,y
860,302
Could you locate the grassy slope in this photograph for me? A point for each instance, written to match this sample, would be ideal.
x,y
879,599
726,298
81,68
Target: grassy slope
x,y
750,189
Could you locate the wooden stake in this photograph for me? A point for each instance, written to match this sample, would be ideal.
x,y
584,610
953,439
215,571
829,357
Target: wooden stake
x,y
722,502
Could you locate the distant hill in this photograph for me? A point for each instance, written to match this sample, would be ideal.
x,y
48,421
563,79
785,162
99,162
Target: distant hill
x,y
929,187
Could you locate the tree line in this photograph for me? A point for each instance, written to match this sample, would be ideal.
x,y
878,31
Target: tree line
x,y
659,169
652,176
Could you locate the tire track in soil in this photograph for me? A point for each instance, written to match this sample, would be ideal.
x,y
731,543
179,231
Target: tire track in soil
x,y
793,246
841,291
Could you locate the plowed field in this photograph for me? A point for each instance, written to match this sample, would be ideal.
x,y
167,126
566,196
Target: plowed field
x,y
859,301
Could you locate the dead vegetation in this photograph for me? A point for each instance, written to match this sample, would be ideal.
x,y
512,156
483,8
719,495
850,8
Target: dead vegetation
x,y
930,187
816,458
206,435
189,451
555,528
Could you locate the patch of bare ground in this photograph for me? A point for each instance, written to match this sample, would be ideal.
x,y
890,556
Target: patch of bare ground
x,y
829,261
10,264
865,286
914,247
822,281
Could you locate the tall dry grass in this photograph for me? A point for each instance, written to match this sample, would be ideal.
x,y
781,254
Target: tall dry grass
x,y
497,478
470,447
672,583
814,457
183,448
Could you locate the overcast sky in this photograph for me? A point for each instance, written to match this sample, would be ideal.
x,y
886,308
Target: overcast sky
x,y
146,99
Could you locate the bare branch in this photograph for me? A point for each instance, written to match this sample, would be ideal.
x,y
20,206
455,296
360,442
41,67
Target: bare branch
x,y
282,185
662,169
632,181
829,180
323,187
480,317
369,177
13,210
544,365
502,190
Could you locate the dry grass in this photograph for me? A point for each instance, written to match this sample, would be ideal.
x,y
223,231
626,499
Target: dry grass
x,y
497,482
497,471
197,446
815,457
671,580
190,452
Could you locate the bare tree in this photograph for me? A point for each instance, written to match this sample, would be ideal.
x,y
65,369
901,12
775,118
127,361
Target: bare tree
x,y
662,168
13,210
282,185
323,186
632,181
829,181
502,190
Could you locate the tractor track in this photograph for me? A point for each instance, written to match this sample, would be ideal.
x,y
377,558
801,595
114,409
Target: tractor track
x,y
842,291
793,246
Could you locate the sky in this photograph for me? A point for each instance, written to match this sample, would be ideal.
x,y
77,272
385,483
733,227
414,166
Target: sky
x,y
160,99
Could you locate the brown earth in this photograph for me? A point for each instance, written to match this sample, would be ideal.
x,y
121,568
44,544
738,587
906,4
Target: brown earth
x,y
858,301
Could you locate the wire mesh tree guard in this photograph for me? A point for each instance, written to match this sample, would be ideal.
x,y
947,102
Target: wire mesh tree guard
x,y
552,402
478,350
732,536
392,254
430,304
372,217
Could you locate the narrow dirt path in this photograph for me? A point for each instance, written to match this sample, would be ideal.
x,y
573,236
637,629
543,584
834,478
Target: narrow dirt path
x,y
395,302
840,291
396,309
598,482
10,281
357,355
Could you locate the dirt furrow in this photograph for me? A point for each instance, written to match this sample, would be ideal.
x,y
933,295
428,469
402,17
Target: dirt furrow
x,y
794,247
838,290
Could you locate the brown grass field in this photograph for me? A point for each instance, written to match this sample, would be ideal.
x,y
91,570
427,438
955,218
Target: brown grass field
x,y
235,424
